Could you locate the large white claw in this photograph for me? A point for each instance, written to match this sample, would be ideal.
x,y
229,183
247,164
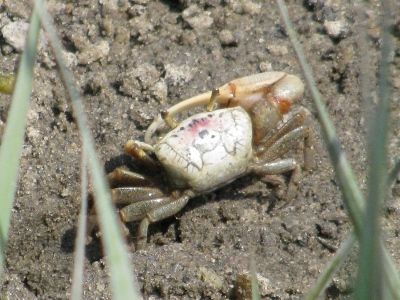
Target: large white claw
x,y
283,90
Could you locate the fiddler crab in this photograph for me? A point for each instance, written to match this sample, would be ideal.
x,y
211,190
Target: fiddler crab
x,y
235,136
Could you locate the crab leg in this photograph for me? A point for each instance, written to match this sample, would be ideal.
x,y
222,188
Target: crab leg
x,y
132,195
296,121
284,144
279,167
309,151
164,211
137,211
123,176
278,144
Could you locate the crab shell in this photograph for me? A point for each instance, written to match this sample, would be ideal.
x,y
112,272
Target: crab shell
x,y
208,150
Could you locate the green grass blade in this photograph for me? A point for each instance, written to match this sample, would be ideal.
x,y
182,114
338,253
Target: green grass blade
x,y
330,269
354,200
255,291
370,282
13,138
123,283
79,253
391,275
394,173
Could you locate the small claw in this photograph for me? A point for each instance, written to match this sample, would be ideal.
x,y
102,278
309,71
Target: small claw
x,y
136,151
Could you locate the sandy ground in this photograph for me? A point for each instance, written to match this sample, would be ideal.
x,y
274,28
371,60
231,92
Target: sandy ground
x,y
132,58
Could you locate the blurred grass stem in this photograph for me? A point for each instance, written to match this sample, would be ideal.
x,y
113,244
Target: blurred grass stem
x,y
13,138
123,283
370,283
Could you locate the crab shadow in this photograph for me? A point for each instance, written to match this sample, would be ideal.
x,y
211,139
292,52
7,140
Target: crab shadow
x,y
93,250
123,160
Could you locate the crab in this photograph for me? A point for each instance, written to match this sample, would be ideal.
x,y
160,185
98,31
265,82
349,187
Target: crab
x,y
235,136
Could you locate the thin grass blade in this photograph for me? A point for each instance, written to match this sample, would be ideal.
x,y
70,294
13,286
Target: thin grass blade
x,y
370,282
79,253
394,173
13,138
255,291
123,283
330,269
353,198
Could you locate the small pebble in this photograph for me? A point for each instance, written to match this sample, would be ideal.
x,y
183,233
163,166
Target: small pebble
x,y
336,29
15,33
197,19
277,50
211,278
94,52
227,38
178,74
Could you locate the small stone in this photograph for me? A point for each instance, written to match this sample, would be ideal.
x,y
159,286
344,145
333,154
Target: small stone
x,y
65,192
188,37
146,74
396,82
136,10
211,278
70,59
264,285
245,7
251,8
278,50
94,52
7,49
327,230
136,82
100,287
178,75
336,29
197,19
159,91
109,6
265,67
227,38
15,33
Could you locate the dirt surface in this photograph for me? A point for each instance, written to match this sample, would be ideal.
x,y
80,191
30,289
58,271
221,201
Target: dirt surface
x,y
133,58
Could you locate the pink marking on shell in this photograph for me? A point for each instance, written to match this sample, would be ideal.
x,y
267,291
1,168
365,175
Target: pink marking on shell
x,y
192,130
